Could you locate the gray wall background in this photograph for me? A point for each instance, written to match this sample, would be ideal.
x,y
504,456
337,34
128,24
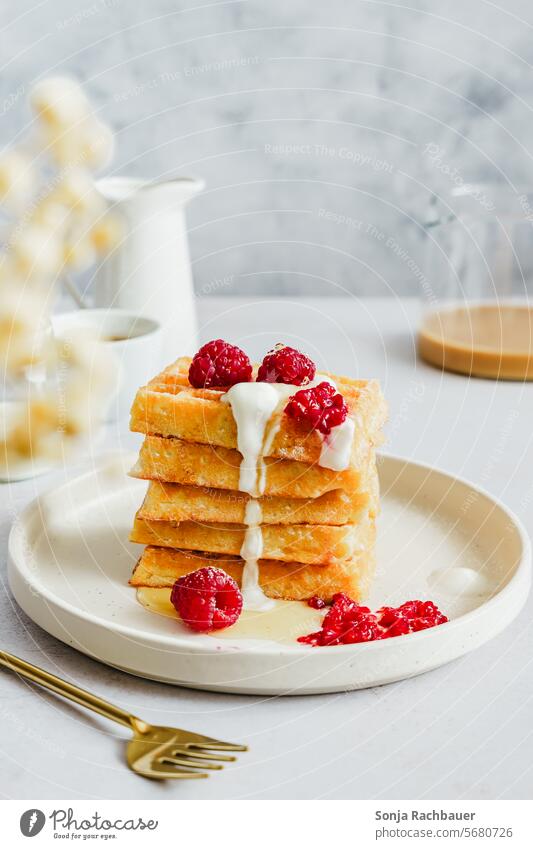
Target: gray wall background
x,y
321,128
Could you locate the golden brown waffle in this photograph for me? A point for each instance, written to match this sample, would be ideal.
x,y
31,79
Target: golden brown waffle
x,y
161,567
176,461
169,406
176,502
313,544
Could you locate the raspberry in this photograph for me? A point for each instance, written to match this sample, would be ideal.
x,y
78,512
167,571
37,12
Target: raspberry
x,y
409,617
207,599
393,623
348,622
286,365
321,407
218,363
316,602
345,622
364,630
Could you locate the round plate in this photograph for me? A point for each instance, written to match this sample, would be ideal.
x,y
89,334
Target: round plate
x,y
439,538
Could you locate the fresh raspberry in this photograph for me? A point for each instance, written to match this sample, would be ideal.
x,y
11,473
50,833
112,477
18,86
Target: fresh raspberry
x,y
316,602
320,407
348,622
207,600
286,365
218,363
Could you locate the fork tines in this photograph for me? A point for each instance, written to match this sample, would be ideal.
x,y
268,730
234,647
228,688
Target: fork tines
x,y
197,756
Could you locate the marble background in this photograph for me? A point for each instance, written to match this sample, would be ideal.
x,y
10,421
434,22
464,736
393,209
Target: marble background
x,y
321,129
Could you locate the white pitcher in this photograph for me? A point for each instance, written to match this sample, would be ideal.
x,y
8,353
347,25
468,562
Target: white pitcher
x,y
149,272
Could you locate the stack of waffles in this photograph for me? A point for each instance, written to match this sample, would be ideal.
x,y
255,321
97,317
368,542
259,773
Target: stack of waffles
x,y
235,483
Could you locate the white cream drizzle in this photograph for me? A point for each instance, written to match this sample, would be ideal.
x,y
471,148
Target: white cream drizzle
x,y
253,405
337,446
257,409
251,550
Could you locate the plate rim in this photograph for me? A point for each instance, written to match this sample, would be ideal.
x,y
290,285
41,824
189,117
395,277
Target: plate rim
x,y
522,573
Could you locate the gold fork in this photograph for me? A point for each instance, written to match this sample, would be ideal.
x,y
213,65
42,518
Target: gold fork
x,y
155,750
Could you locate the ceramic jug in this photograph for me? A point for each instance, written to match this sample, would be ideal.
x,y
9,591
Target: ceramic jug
x,y
149,272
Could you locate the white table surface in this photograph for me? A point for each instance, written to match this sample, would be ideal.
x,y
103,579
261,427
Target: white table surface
x,y
463,731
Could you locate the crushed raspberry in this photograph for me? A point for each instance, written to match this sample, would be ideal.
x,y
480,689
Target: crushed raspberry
x,y
348,622
207,600
218,363
316,602
286,365
345,622
320,407
410,616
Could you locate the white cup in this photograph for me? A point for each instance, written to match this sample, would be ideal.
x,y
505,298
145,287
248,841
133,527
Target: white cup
x,y
135,342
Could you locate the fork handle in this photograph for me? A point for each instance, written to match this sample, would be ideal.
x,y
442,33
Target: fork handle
x,y
69,691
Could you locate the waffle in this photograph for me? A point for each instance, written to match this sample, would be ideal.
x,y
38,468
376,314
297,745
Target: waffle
x,y
176,461
169,406
313,544
180,503
161,567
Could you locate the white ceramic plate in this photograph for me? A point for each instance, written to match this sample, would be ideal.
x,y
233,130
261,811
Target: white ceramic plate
x,y
439,538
